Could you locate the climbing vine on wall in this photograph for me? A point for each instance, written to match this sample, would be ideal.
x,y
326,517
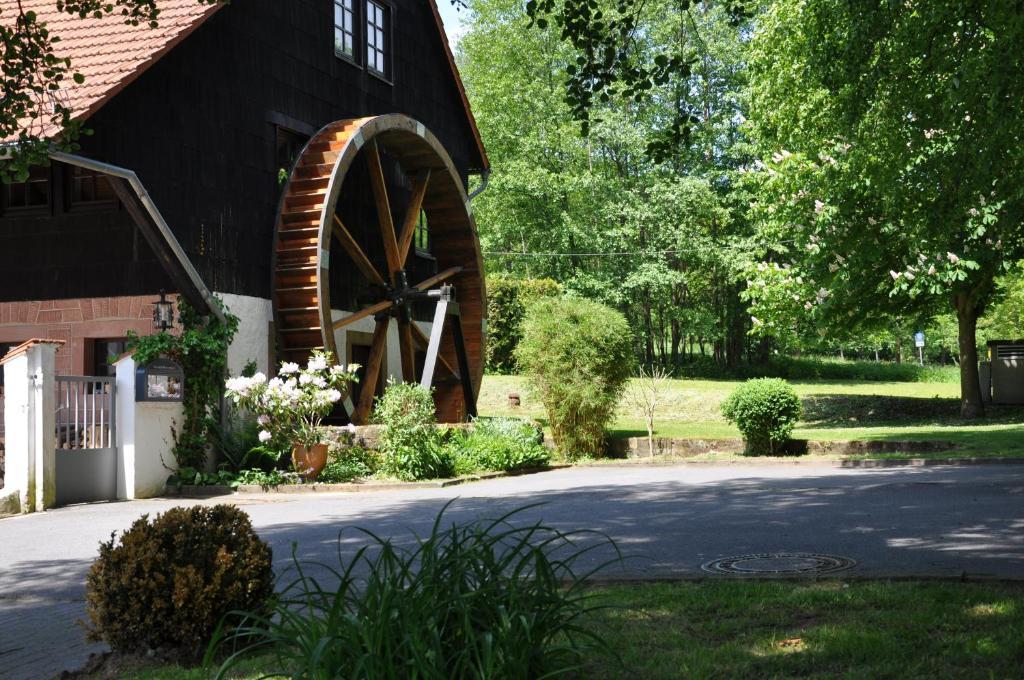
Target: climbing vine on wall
x,y
202,351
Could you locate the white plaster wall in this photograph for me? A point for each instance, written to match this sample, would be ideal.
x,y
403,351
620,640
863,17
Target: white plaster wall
x,y
144,438
43,404
30,482
16,479
252,341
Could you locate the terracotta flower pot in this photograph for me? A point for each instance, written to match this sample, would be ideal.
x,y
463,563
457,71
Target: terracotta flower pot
x,y
309,461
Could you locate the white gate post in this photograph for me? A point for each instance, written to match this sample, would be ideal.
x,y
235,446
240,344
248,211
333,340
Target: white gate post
x,y
29,423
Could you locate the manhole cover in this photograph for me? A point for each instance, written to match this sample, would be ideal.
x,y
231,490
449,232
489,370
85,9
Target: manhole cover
x,y
778,564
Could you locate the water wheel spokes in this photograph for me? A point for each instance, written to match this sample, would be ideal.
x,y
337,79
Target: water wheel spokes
x,y
315,227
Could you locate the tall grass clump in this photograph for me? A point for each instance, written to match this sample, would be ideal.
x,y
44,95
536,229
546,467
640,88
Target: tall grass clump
x,y
504,444
577,355
488,599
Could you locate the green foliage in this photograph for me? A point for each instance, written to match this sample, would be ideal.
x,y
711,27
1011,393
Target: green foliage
x,y
507,300
268,479
202,350
504,444
820,368
659,240
168,582
1006,321
893,166
410,443
578,357
346,463
193,477
491,599
237,445
765,410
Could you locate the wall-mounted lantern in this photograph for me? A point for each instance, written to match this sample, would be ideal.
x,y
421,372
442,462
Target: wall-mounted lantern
x,y
160,380
163,313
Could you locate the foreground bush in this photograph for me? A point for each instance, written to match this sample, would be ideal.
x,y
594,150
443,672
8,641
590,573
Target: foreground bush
x,y
577,355
410,444
508,298
167,583
491,599
504,444
765,410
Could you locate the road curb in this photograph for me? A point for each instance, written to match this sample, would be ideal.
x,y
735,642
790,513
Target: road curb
x,y
192,491
866,463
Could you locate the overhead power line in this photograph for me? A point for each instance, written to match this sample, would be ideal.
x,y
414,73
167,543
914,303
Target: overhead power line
x,y
618,254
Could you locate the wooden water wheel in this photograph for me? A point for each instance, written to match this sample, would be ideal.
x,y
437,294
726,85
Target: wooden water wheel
x,y
348,277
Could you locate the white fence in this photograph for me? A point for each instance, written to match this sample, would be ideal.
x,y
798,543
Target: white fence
x,y
85,413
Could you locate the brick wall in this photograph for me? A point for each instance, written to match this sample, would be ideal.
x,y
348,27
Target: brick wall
x,y
78,322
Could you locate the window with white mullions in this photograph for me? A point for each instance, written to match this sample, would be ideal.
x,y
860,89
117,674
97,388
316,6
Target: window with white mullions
x,y
344,28
377,38
421,236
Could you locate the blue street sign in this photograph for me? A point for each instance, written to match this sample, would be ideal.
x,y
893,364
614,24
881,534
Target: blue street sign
x,y
919,339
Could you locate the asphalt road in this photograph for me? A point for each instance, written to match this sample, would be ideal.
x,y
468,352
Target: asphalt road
x,y
933,522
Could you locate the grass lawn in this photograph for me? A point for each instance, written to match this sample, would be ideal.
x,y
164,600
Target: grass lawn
x,y
790,629
759,629
892,411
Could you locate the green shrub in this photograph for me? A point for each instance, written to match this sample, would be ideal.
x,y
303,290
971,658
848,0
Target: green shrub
x,y
345,463
577,355
818,368
507,302
498,598
504,444
765,410
410,443
167,583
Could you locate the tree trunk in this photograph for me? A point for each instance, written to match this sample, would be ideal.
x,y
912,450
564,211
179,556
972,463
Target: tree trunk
x,y
967,314
648,335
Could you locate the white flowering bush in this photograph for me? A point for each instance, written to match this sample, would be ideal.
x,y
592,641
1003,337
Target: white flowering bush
x,y
291,406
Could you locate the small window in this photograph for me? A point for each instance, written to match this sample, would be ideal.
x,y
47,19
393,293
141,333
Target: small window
x,y
377,38
421,237
344,28
88,187
31,195
104,353
288,146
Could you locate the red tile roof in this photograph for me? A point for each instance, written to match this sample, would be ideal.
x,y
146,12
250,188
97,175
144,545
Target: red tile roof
x,y
109,53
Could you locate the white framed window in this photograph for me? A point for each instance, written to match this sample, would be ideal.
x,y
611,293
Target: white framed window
x,y
344,29
377,38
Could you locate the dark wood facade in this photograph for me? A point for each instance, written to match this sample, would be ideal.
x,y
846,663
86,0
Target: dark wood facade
x,y
204,129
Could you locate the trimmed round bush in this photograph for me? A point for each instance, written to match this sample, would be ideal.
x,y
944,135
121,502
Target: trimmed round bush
x,y
765,410
578,357
167,583
410,443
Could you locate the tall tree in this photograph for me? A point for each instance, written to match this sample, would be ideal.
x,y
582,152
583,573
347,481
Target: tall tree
x,y
638,218
895,181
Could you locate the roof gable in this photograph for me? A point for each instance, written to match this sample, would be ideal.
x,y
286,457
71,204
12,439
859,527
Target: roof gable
x,y
108,52
111,54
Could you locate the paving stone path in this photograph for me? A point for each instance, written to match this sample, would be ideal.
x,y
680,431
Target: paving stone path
x,y
936,522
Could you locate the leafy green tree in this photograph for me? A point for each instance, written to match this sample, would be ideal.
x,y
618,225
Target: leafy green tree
x,y
895,184
624,214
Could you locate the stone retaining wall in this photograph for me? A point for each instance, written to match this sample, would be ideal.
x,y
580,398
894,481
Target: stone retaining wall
x,y
637,447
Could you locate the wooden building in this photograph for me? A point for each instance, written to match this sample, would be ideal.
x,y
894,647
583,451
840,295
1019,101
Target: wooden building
x,y
307,161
